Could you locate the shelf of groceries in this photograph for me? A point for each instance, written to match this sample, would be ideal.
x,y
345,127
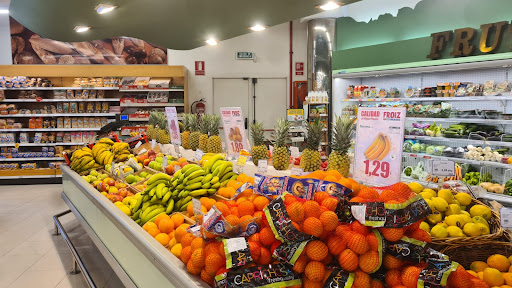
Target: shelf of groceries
x,y
460,140
460,160
419,99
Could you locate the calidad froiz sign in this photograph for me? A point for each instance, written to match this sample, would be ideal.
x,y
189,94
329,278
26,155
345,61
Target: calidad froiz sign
x,y
466,40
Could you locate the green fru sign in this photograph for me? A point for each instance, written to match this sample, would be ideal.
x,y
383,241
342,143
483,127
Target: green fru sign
x,y
244,55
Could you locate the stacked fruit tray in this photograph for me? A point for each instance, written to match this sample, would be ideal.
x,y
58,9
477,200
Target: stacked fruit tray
x,y
318,230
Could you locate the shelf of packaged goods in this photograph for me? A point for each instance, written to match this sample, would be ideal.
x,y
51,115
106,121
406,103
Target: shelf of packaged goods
x,y
7,100
30,177
317,103
41,144
318,115
49,129
31,159
152,90
152,104
118,234
460,120
61,115
62,88
459,160
460,140
147,119
429,99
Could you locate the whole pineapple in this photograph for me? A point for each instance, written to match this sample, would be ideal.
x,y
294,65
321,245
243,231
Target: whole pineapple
x,y
163,136
259,149
204,127
280,154
194,132
151,132
310,160
342,136
185,135
214,141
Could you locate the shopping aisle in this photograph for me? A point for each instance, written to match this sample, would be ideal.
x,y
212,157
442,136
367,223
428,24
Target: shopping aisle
x,y
30,256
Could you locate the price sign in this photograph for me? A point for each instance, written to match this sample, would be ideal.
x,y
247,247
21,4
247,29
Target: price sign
x,y
165,162
379,141
294,151
137,145
297,171
262,166
196,206
112,166
443,168
174,126
153,144
506,217
240,163
177,149
295,114
199,155
234,130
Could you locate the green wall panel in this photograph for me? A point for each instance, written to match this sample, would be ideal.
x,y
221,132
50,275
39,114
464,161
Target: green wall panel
x,y
406,38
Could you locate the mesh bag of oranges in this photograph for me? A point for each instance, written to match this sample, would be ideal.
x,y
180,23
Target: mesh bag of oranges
x,y
394,206
269,275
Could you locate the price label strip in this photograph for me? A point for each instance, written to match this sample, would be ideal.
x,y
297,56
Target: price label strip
x,y
379,141
443,168
506,217
240,163
297,171
199,155
262,166
177,150
234,130
165,162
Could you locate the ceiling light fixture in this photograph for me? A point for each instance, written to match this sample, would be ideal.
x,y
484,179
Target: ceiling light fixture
x,y
258,28
211,42
4,11
331,5
81,29
321,28
104,8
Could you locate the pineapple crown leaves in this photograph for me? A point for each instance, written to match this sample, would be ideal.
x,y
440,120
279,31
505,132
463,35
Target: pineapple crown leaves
x,y
342,134
280,134
214,124
193,123
204,127
186,122
314,134
257,133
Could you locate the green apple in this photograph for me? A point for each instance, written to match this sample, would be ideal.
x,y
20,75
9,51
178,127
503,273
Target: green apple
x,y
86,178
158,166
159,159
143,174
92,178
94,173
131,179
103,176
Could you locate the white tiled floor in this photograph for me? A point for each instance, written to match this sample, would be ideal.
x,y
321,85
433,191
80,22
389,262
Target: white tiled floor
x,y
30,256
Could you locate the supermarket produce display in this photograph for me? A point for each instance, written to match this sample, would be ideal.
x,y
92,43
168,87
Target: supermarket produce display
x,y
321,229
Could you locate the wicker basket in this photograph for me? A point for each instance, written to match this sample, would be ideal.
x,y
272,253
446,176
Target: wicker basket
x,y
494,226
466,254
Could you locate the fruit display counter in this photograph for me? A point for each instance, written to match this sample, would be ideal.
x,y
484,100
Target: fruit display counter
x,y
140,260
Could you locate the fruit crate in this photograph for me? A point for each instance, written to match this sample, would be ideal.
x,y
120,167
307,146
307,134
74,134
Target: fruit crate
x,y
494,227
465,254
145,169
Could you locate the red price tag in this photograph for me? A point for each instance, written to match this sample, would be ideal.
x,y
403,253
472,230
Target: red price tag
x,y
237,146
377,168
39,99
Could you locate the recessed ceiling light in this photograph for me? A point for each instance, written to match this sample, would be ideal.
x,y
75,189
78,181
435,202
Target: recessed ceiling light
x,y
81,29
4,11
258,28
321,28
211,42
104,8
331,5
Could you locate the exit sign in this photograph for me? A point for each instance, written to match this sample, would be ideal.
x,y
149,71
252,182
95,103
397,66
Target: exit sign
x,y
244,55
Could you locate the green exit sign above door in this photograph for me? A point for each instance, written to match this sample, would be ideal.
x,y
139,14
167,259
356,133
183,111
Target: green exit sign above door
x,y
244,56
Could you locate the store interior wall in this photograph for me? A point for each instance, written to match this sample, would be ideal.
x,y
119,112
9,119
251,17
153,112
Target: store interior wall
x,y
5,40
270,46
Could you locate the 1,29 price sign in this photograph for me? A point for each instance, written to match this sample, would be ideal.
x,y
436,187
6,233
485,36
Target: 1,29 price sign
x,y
234,130
379,140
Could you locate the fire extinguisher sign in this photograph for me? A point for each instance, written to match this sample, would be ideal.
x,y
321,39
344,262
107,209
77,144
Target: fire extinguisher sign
x,y
200,68
174,126
234,130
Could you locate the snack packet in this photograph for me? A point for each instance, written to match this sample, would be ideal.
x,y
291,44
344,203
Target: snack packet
x,y
271,275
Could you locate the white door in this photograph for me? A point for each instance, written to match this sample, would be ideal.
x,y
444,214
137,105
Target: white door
x,y
231,92
271,102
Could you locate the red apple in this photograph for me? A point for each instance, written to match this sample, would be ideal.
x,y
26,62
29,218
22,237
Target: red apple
x,y
146,162
109,181
169,169
152,158
183,164
102,187
151,152
123,192
129,194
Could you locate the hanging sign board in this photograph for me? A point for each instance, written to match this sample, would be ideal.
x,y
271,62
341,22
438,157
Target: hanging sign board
x,y
244,56
299,68
200,68
234,130
379,141
295,114
174,126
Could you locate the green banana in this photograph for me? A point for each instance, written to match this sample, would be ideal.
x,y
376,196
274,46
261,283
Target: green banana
x,y
137,204
175,193
153,214
206,186
212,191
158,176
146,198
159,190
148,210
154,184
166,197
185,202
215,158
153,191
193,170
216,185
195,174
194,180
170,207
198,192
193,186
207,178
183,194
136,215
154,199
214,180
227,176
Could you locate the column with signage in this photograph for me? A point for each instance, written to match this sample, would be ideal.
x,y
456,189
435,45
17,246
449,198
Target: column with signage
x,y
379,141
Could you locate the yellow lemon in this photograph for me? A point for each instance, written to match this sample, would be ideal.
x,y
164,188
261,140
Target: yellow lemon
x,y
454,231
465,219
125,210
424,226
453,209
493,277
439,231
508,278
463,198
434,194
435,218
416,187
430,204
481,210
446,195
485,229
440,204
443,224
480,275
481,220
472,229
473,273
478,266
462,211
176,250
426,195
454,220
172,242
499,262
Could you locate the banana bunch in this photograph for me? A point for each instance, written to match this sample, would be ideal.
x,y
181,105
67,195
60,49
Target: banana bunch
x,y
106,151
165,194
82,160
